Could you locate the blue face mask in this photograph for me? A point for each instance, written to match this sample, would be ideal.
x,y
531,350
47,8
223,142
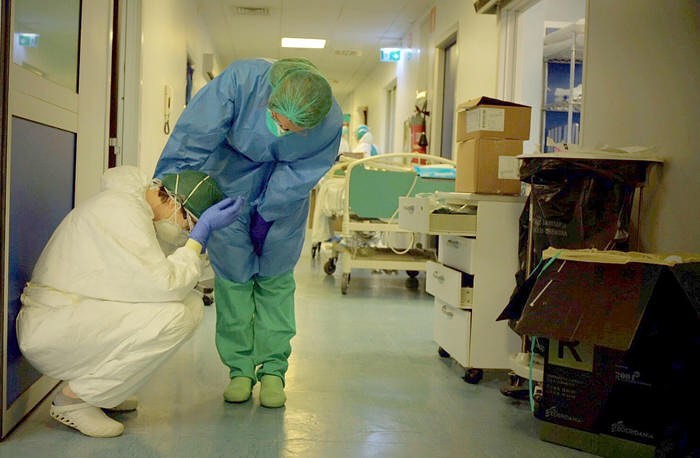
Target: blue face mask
x,y
273,127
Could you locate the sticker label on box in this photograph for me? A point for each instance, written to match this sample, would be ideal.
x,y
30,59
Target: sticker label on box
x,y
492,119
575,355
508,168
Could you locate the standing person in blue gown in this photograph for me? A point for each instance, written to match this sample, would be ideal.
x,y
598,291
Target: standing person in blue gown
x,y
267,131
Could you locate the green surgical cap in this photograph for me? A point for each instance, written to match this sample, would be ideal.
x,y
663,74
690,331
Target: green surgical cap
x,y
195,190
299,92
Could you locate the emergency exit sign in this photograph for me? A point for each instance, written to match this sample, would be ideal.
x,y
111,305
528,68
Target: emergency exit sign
x,y
389,54
28,40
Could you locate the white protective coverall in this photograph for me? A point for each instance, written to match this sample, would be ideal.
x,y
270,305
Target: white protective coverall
x,y
105,306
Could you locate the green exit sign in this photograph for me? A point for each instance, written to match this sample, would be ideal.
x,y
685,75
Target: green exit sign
x,y
389,54
28,40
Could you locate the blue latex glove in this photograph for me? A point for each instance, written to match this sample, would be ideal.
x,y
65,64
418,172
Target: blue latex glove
x,y
258,231
215,217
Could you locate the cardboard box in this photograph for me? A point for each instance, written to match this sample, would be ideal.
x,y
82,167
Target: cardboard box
x,y
493,118
621,344
597,444
488,166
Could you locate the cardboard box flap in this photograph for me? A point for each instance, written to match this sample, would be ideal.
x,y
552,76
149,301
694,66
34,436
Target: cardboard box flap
x,y
620,257
602,304
487,101
684,266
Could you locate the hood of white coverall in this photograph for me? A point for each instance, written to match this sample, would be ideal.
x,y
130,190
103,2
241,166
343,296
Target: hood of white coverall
x,y
367,138
125,179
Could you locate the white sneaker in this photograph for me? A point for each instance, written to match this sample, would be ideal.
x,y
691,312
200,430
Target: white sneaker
x,y
129,404
87,419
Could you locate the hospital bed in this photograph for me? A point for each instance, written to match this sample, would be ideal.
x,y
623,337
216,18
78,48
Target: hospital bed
x,y
327,208
367,194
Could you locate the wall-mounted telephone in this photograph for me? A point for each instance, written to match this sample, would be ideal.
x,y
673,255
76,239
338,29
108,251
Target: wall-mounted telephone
x,y
167,103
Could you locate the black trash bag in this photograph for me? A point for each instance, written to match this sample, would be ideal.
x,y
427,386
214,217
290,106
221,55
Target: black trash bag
x,y
575,204
581,204
518,298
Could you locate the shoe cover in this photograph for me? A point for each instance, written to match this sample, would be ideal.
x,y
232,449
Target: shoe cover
x,y
238,390
87,419
272,391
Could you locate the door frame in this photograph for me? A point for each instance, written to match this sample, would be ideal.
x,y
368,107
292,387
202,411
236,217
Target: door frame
x,y
451,36
390,120
126,134
4,78
31,97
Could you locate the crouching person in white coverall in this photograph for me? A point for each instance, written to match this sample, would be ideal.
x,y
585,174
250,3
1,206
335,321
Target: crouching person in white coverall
x,y
105,305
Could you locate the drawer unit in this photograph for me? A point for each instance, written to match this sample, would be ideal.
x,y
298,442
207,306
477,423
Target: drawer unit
x,y
413,214
456,251
465,311
449,285
419,215
451,331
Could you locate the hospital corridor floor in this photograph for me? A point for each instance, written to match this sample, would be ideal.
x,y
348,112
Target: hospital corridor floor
x,y
365,380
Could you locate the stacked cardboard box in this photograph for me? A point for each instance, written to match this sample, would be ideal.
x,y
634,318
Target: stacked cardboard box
x,y
490,134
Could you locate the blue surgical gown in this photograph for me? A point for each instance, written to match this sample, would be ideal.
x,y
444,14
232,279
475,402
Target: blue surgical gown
x,y
223,133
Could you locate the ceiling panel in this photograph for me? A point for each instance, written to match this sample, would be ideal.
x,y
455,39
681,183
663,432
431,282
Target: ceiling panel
x,y
359,25
375,23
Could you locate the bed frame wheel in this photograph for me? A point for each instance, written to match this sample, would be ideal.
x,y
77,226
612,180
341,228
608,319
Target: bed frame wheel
x,y
315,248
345,283
443,353
473,376
329,266
412,283
412,273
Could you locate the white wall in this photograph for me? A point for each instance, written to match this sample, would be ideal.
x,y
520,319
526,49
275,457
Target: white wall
x,y
478,51
641,81
371,94
477,42
170,29
412,76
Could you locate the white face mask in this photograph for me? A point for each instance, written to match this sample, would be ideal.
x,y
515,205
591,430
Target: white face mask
x,y
168,231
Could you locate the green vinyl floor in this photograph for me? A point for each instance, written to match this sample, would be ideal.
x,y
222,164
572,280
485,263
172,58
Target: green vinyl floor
x,y
365,380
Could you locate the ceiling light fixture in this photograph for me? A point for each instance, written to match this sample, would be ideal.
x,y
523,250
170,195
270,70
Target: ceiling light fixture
x,y
303,43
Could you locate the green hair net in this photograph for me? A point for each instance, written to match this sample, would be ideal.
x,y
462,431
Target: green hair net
x,y
195,190
299,92
282,67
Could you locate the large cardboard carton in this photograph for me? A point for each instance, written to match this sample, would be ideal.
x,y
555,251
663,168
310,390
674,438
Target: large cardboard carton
x,y
488,166
597,444
621,346
493,118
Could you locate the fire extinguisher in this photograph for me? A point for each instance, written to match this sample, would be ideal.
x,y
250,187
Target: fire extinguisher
x,y
419,140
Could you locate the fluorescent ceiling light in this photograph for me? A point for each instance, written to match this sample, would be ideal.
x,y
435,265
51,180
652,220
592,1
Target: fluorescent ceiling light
x,y
303,43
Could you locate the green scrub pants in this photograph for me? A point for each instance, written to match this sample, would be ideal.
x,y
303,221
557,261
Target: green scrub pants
x,y
255,324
